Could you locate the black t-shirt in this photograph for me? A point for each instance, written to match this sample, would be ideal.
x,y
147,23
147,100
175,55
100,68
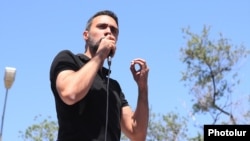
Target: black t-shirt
x,y
86,120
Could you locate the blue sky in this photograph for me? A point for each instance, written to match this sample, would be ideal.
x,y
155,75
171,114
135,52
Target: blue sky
x,y
32,32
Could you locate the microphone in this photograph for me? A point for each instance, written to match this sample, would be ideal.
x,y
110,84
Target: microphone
x,y
110,53
109,59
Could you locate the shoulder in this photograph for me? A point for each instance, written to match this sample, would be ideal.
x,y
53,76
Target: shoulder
x,y
64,53
64,56
64,60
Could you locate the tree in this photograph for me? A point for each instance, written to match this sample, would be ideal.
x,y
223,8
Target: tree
x,y
211,74
45,130
168,127
171,127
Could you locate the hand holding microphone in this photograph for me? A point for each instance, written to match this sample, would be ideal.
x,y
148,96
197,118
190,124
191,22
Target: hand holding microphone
x,y
107,46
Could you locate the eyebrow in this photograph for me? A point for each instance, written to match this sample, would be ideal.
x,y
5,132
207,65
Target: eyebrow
x,y
108,25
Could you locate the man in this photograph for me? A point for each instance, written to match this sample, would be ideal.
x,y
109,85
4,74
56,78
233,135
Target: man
x,y
91,106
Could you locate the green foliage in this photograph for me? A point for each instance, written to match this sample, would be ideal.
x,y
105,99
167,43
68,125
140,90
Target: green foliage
x,y
210,71
198,138
45,130
171,127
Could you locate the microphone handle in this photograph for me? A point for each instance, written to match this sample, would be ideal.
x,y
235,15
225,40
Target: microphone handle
x,y
109,60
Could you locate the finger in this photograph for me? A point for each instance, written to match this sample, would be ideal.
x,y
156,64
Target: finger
x,y
112,51
139,59
142,63
109,43
132,67
109,37
105,37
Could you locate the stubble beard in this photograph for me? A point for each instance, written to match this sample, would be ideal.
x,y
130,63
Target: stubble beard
x,y
93,45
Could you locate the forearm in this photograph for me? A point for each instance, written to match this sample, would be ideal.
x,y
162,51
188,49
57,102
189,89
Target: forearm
x,y
141,114
74,85
138,121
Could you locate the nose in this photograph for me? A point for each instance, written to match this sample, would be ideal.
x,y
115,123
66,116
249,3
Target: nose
x,y
108,31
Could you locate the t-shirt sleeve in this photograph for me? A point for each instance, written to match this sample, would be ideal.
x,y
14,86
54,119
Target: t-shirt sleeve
x,y
64,60
123,99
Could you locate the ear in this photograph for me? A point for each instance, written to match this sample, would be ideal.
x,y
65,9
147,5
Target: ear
x,y
86,35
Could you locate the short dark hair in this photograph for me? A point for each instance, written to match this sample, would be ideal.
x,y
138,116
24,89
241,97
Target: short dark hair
x,y
103,12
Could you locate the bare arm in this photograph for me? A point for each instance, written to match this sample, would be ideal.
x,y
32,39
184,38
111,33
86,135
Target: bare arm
x,y
134,124
72,86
